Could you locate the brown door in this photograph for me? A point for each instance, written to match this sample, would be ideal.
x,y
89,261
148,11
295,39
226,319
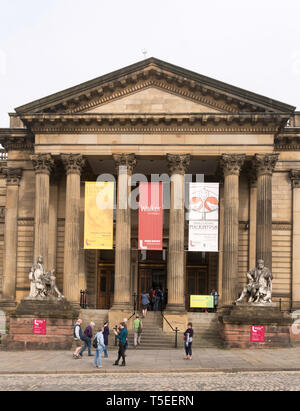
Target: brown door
x,y
105,287
196,283
151,277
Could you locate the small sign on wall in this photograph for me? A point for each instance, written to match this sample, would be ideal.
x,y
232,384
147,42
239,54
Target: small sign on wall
x,y
39,327
257,333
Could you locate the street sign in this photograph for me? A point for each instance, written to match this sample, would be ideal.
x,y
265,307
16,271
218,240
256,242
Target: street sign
x,y
257,333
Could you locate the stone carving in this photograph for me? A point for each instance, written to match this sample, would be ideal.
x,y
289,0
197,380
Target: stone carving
x,y
259,288
42,283
231,164
178,163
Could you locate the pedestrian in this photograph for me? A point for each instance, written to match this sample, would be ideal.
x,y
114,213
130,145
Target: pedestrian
x,y
100,347
137,329
77,335
125,320
122,335
105,335
87,338
145,303
188,341
215,294
156,299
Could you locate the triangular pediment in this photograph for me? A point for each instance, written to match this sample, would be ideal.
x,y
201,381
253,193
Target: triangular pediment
x,y
152,100
173,83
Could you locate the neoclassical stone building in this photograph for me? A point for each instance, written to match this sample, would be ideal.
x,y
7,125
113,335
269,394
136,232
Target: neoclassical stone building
x,y
153,117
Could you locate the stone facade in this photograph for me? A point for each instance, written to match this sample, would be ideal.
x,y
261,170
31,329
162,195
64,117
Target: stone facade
x,y
155,118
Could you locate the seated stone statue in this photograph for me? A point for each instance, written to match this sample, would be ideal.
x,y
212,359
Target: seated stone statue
x,y
42,283
259,287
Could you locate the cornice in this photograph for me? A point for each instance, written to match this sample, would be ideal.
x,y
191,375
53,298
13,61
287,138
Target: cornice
x,y
290,142
159,122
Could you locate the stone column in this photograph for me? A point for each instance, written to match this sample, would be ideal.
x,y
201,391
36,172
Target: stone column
x,y
231,164
264,165
13,176
252,219
73,165
295,179
125,164
176,261
42,164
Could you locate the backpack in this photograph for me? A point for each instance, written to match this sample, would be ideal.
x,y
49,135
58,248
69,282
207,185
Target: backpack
x,y
95,343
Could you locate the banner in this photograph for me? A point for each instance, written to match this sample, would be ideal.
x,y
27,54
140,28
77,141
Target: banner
x,y
151,216
39,327
204,217
99,216
202,301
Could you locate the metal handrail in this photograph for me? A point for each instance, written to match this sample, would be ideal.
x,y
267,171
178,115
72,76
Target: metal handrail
x,y
176,330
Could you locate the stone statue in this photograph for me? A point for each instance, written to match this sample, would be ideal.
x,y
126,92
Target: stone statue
x,y
259,287
43,284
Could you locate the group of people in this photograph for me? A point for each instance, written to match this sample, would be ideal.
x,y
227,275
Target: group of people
x,y
155,299
100,341
84,340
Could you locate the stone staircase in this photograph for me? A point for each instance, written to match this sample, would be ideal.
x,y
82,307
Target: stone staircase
x,y
205,326
206,330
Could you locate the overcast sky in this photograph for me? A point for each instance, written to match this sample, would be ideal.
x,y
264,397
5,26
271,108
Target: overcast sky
x,y
47,46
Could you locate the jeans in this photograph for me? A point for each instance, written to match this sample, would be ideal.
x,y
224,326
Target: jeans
x,y
137,338
188,349
121,353
105,351
97,358
87,345
156,304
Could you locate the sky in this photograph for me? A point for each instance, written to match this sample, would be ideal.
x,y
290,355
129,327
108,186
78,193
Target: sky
x,y
48,46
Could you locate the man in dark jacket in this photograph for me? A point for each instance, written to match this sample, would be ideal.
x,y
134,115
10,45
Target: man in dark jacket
x,y
87,338
105,335
122,336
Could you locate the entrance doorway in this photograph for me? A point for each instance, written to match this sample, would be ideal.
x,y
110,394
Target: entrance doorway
x,y
196,282
105,287
151,277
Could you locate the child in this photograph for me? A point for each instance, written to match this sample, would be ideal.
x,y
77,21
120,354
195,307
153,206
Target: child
x,y
188,341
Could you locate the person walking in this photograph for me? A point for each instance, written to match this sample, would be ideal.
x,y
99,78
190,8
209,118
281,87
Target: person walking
x,y
145,303
188,341
137,329
77,335
215,294
100,347
156,299
122,336
105,335
87,338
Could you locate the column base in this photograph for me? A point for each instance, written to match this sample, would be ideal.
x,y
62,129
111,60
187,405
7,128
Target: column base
x,y
8,305
176,318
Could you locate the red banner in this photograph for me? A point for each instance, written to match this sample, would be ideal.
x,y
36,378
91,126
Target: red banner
x,y
257,334
151,216
39,327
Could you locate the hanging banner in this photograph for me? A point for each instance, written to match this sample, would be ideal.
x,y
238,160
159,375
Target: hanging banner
x,y
151,216
99,216
204,217
201,301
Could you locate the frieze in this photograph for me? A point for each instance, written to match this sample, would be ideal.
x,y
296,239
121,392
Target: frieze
x,y
281,226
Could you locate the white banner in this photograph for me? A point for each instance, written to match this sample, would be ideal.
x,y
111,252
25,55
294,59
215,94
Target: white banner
x,y
204,217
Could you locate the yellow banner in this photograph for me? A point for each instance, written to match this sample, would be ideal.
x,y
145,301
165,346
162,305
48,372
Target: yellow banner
x,y
99,216
202,301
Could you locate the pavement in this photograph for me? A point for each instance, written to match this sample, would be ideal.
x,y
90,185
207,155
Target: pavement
x,y
205,360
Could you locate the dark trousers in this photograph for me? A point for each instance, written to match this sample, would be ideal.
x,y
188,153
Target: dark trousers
x,y
188,349
121,353
87,345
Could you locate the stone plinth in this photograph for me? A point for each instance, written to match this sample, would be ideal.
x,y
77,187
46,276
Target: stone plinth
x,y
115,317
59,316
235,326
176,319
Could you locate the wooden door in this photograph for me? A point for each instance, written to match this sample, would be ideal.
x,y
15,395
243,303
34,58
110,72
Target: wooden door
x,y
196,283
105,287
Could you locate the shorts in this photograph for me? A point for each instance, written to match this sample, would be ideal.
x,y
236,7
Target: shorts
x,y
145,307
78,343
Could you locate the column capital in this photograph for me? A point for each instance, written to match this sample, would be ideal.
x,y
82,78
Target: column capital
x,y
231,164
295,178
73,163
13,176
265,163
178,163
125,160
42,163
